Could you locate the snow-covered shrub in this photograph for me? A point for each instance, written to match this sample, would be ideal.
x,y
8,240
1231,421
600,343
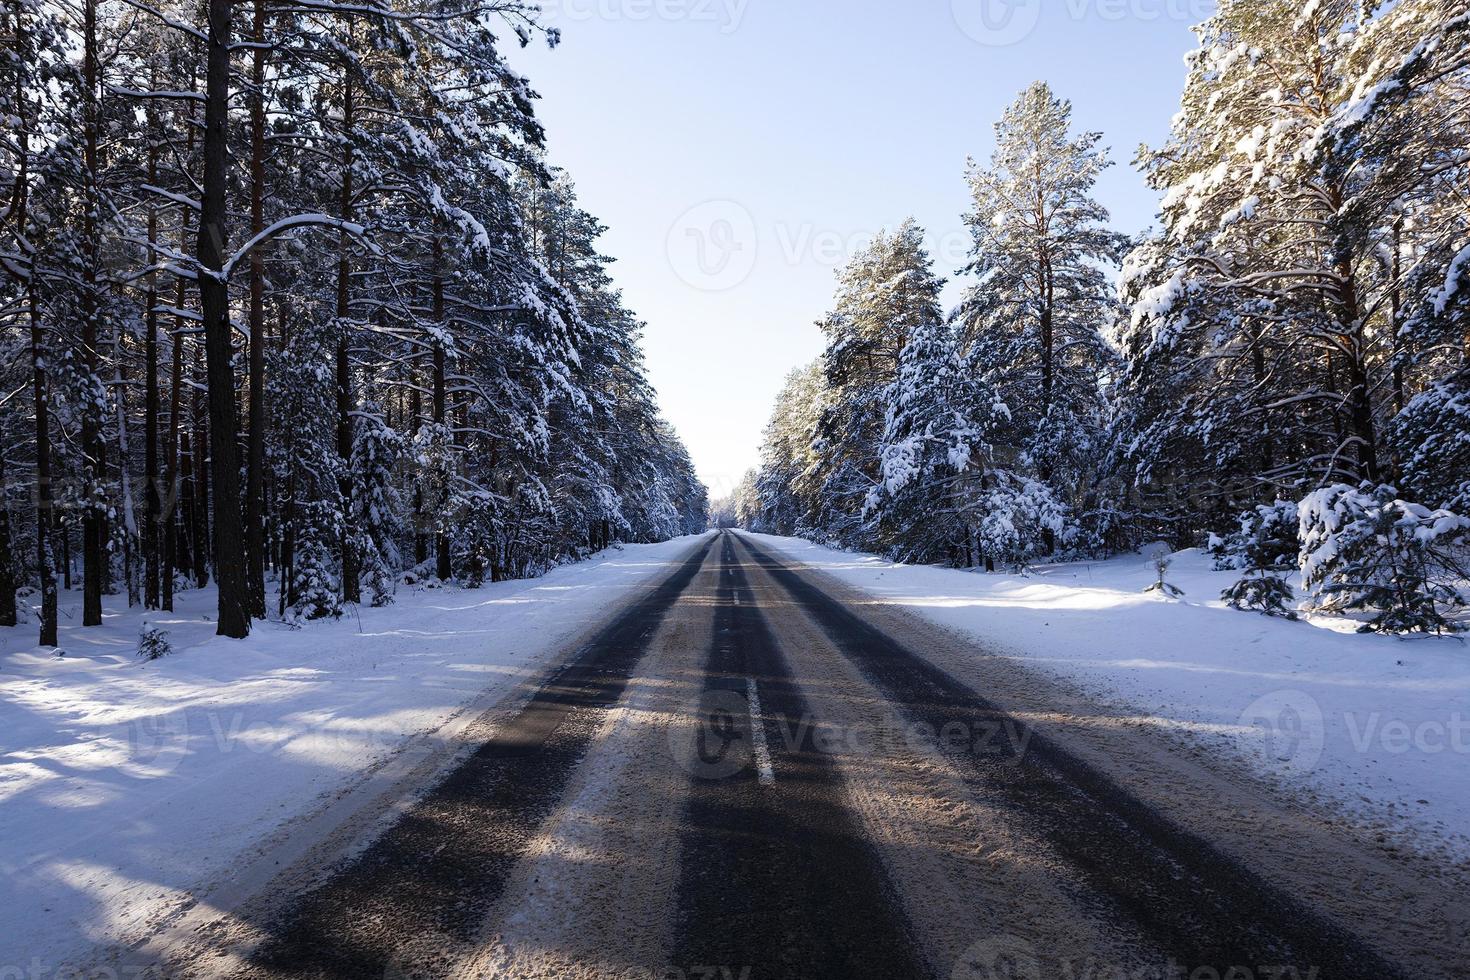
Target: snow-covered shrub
x,y
1019,519
315,591
1266,540
153,643
1227,552
1263,592
1265,546
378,453
1161,563
1434,431
1364,548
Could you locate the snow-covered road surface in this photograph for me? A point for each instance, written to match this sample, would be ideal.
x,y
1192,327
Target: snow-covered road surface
x,y
1377,727
128,790
930,810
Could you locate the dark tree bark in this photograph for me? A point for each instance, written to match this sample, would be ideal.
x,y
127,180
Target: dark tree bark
x,y
1048,341
199,487
8,562
45,513
351,591
152,504
229,545
94,544
415,411
8,582
441,539
255,446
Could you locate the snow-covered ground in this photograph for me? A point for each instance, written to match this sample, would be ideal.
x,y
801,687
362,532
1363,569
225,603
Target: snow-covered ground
x,y
1379,726
123,784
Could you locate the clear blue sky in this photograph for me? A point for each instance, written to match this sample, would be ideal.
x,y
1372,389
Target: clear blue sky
x,y
739,149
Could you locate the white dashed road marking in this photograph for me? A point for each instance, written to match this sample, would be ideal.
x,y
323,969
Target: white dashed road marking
x,y
764,770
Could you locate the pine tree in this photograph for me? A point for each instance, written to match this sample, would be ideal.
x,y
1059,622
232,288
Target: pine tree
x,y
933,452
377,456
786,485
1032,320
886,293
1266,546
1364,548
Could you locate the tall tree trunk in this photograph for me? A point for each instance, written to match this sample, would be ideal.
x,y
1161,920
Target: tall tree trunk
x,y
229,546
125,485
174,508
1258,373
441,538
415,411
8,563
255,447
8,582
1359,395
151,496
45,513
94,544
1048,342
351,591
199,486
1347,309
169,515
63,532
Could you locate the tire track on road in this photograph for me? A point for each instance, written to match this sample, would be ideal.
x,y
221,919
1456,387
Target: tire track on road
x,y
1202,906
778,880
416,897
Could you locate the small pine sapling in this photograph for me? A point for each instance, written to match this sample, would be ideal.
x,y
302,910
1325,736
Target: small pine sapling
x,y
1364,549
1161,567
1268,546
153,643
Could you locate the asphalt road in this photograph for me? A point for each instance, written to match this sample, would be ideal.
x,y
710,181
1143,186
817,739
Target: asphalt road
x,y
748,773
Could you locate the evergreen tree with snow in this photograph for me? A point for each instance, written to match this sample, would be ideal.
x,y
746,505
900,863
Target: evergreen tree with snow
x,y
933,452
1366,549
1265,547
886,294
1031,324
377,458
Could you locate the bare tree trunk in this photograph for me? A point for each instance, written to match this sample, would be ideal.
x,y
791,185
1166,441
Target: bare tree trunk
x,y
172,484
415,411
199,485
125,486
441,539
1048,341
45,513
255,447
151,496
8,582
1347,311
8,564
94,544
229,546
351,591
